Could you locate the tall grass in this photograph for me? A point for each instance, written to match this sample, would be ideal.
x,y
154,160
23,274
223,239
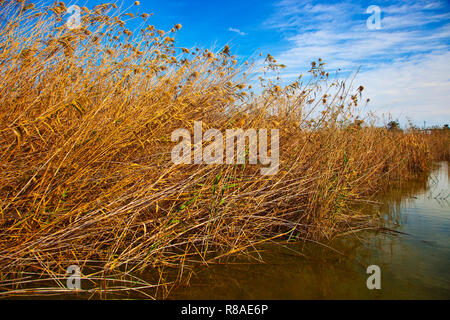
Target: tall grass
x,y
86,175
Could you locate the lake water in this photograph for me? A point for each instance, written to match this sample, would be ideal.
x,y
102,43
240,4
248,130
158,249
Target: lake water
x,y
414,263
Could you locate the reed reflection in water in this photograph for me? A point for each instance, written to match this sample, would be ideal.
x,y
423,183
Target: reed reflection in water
x,y
414,262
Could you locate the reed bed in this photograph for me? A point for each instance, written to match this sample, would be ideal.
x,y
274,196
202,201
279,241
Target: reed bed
x,y
86,174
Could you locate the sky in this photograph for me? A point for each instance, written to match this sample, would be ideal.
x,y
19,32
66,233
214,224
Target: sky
x,y
404,64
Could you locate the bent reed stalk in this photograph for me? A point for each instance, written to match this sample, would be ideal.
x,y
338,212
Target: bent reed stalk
x,y
86,176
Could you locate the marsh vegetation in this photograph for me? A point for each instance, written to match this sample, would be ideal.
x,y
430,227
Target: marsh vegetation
x,y
86,178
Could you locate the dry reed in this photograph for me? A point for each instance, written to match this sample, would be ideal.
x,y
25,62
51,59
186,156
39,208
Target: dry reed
x,y
86,176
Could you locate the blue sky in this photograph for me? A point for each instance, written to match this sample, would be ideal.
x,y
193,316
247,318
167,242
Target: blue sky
x,y
405,65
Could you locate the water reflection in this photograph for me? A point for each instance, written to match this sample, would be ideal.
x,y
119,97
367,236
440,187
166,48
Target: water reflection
x,y
414,263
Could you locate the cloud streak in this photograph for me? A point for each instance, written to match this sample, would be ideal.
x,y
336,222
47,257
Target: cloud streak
x,y
235,30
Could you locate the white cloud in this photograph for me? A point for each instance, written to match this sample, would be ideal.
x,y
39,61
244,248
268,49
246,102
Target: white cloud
x,y
417,88
404,65
237,31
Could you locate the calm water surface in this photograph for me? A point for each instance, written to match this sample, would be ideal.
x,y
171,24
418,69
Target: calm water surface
x,y
414,264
